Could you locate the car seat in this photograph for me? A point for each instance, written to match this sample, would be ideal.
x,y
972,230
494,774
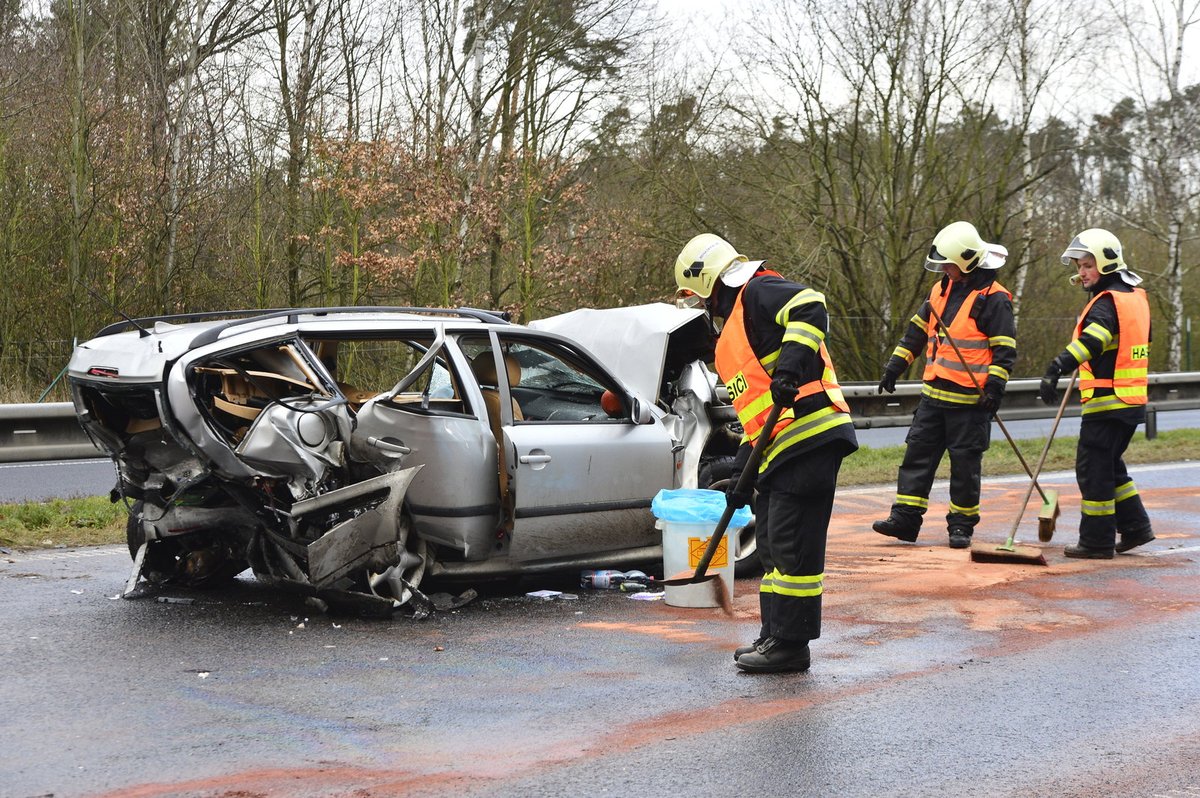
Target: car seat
x,y
483,366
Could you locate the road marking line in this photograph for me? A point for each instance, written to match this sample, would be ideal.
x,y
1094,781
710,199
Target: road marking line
x,y
73,554
89,461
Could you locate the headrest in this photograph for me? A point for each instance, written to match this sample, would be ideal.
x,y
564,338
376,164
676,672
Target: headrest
x,y
484,367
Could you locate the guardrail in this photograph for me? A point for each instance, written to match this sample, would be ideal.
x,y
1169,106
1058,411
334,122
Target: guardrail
x,y
1167,391
38,432
47,431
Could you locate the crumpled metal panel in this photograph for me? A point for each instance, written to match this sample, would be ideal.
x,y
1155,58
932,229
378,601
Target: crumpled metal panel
x,y
275,444
351,544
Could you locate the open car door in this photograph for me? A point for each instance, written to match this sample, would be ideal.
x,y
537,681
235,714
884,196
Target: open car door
x,y
585,458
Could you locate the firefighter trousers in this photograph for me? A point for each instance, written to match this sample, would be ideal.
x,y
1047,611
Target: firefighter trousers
x,y
963,432
1109,501
792,512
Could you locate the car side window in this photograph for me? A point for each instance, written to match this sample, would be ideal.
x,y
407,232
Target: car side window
x,y
365,368
235,387
555,385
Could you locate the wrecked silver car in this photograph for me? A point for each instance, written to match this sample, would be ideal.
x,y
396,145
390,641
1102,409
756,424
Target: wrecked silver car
x,y
352,453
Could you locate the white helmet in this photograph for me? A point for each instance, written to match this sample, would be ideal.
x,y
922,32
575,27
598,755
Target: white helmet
x,y
1105,248
708,257
960,243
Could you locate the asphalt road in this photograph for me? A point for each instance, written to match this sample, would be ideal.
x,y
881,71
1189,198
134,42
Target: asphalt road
x,y
934,676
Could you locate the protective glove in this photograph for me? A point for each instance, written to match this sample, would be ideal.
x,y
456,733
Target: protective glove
x,y
891,372
783,390
993,392
735,499
1048,390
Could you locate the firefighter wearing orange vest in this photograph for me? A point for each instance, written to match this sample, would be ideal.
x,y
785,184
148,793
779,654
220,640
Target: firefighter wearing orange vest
x,y
771,350
1111,349
953,415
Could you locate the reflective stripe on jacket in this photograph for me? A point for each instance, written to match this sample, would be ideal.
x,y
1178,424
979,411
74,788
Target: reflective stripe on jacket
x,y
1132,344
941,361
749,386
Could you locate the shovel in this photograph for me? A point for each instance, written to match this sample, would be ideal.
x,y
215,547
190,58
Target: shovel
x,y
714,582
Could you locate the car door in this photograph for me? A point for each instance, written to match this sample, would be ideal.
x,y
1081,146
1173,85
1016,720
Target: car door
x,y
583,468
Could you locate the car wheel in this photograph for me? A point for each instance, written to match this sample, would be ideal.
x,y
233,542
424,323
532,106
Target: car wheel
x,y
715,475
399,581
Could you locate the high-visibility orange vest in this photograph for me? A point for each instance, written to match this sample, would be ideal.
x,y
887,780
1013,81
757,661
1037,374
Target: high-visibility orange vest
x,y
749,386
1129,378
940,359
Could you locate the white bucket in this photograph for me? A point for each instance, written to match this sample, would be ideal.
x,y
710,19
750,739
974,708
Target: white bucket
x,y
683,547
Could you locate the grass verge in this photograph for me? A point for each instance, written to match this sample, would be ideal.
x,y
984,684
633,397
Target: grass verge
x,y
62,522
874,466
94,521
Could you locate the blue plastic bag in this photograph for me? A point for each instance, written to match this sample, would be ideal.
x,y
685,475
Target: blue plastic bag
x,y
696,506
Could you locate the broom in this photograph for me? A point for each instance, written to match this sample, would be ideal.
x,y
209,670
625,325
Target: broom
x,y
1048,514
1009,551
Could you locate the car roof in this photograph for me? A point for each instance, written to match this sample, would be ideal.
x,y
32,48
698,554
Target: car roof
x,y
215,323
136,348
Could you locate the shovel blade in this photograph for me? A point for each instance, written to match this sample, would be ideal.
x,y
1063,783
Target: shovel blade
x,y
713,585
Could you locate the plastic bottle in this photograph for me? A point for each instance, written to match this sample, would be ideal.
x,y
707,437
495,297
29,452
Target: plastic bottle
x,y
611,579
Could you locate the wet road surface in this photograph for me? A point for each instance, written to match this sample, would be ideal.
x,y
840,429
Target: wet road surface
x,y
934,676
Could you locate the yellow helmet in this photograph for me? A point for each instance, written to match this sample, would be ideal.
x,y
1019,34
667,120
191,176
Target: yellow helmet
x,y
1101,245
1106,249
960,243
702,260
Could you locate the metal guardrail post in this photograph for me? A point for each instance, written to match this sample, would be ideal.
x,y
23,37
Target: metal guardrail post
x,y
1151,423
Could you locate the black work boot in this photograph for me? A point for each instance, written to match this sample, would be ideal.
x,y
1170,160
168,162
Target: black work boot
x,y
960,537
1131,540
1082,552
776,656
740,650
896,527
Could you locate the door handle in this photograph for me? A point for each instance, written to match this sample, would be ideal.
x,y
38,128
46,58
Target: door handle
x,y
535,459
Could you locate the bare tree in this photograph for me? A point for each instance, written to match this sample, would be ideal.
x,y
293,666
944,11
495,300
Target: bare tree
x,y
1166,149
302,31
1033,33
509,90
893,135
176,39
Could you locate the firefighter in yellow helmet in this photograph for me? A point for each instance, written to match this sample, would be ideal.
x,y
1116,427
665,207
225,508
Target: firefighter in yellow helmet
x,y
771,350
953,415
1111,350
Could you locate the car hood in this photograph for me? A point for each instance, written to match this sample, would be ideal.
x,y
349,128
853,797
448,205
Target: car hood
x,y
633,342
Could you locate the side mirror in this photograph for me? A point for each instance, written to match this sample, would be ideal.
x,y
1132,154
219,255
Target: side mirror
x,y
641,412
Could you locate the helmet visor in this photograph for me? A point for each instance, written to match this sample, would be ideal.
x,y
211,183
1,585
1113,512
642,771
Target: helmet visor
x,y
1074,251
687,300
937,260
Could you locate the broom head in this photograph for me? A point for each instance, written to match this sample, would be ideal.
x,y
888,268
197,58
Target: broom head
x,y
1048,516
1010,553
